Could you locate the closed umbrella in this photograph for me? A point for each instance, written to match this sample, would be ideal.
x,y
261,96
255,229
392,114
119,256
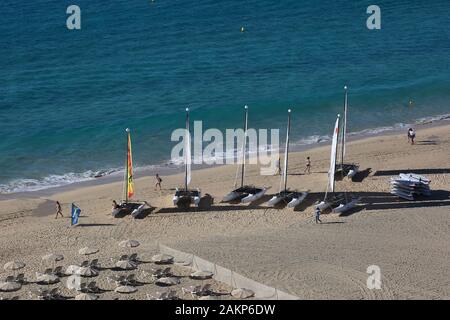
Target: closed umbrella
x,y
201,275
125,289
126,265
167,281
242,293
129,244
162,258
86,296
10,286
87,272
87,251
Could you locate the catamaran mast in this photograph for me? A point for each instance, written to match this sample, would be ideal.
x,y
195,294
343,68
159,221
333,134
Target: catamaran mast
x,y
244,145
187,145
344,129
335,154
127,130
286,150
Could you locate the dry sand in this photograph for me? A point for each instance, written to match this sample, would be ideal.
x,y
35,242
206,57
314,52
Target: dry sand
x,y
284,248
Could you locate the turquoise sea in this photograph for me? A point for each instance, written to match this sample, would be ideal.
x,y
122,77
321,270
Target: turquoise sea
x,y
66,96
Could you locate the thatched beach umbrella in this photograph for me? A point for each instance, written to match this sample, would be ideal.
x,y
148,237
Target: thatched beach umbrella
x,y
13,265
10,286
129,244
53,258
86,296
87,272
209,298
201,275
125,289
167,281
47,278
72,269
242,293
162,258
126,265
87,251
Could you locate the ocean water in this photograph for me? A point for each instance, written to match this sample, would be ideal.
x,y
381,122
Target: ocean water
x,y
66,96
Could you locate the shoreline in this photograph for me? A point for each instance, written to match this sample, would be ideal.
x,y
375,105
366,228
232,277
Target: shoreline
x,y
171,170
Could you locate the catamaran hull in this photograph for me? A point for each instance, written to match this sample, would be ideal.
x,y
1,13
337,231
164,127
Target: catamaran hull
x,y
183,201
345,207
275,200
293,201
352,173
297,200
231,196
417,178
323,205
253,197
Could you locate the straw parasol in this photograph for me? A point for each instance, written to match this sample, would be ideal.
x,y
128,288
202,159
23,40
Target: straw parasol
x,y
126,265
72,269
162,258
201,275
242,293
209,298
53,258
167,281
86,296
87,272
87,251
13,265
125,289
47,278
10,286
129,244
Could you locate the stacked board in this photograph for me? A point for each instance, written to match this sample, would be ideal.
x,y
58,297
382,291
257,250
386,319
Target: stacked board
x,y
409,185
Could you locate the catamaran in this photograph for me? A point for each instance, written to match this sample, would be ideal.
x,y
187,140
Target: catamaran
x,y
338,203
292,198
345,169
184,197
246,193
126,206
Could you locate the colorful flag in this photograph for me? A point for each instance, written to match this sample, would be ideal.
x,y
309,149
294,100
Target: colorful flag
x,y
75,214
130,184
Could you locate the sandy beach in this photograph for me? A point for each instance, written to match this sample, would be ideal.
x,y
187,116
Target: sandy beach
x,y
282,248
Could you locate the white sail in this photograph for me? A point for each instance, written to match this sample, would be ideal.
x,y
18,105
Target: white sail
x,y
344,126
244,145
187,150
334,144
286,151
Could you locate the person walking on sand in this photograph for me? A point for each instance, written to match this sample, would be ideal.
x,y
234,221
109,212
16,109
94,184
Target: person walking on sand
x,y
308,165
115,205
411,135
158,182
58,210
318,215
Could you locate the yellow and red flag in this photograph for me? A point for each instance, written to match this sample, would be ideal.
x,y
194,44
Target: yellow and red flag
x,y
130,184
